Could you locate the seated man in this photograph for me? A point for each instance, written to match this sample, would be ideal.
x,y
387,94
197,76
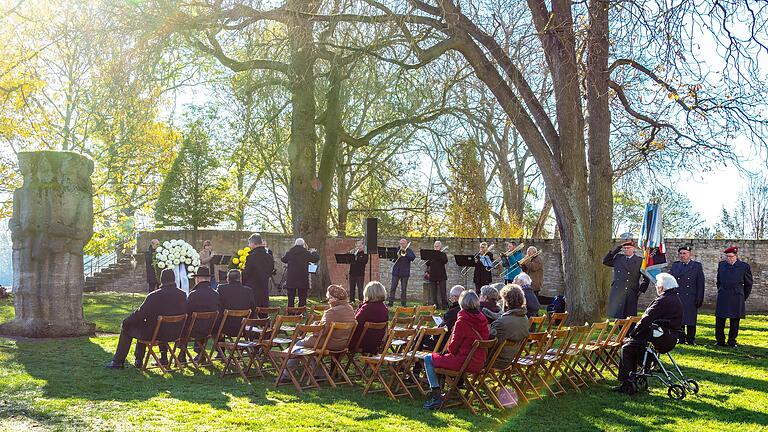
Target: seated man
x,y
233,295
202,298
667,310
168,300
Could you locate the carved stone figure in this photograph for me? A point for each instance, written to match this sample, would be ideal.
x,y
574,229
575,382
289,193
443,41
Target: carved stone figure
x,y
51,223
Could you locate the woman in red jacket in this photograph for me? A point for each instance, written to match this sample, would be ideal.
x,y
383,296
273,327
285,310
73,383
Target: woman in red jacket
x,y
374,310
470,326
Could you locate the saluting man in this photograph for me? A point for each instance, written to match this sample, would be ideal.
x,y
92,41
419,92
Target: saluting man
x,y
626,286
734,283
690,278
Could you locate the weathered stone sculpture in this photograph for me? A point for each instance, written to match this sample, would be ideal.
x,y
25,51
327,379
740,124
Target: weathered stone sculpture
x,y
51,223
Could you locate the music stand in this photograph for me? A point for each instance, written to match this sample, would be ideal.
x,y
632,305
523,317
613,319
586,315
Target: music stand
x,y
465,261
344,258
389,253
428,254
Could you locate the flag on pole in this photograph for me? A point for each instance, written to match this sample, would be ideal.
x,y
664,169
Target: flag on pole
x,y
652,241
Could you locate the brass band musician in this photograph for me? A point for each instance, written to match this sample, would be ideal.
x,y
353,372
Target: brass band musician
x,y
401,271
510,261
483,266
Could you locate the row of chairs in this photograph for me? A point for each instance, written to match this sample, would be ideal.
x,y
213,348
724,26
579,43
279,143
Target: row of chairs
x,y
551,358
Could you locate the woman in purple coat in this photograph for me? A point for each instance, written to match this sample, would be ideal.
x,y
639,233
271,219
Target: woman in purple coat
x,y
372,309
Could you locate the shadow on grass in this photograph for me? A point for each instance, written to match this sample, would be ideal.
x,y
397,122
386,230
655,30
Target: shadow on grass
x,y
74,369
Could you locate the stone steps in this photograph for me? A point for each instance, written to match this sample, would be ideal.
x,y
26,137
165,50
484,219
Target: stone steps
x,y
109,273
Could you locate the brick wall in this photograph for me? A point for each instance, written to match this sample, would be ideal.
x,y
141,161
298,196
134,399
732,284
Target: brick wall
x,y
708,252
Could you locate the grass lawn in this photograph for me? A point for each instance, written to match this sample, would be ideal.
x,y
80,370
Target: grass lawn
x,y
62,385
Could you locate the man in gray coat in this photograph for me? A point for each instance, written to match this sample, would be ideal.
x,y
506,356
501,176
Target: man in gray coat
x,y
626,286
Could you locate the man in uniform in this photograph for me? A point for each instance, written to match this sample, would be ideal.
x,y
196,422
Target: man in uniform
x,y
626,286
734,283
258,268
690,278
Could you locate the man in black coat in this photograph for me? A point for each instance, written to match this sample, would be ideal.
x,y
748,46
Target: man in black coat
x,y
734,284
259,266
233,295
626,286
149,256
482,275
357,272
438,276
690,279
202,298
168,300
667,311
297,272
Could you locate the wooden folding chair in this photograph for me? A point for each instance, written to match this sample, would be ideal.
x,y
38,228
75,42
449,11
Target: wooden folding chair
x,y
319,308
551,360
164,320
324,353
199,338
592,350
400,320
313,318
475,383
293,311
424,321
236,315
243,347
572,355
278,339
358,349
425,310
556,321
536,324
418,355
529,365
454,379
612,345
302,354
498,379
389,362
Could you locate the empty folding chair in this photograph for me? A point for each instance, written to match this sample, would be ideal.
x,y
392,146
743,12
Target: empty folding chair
x,y
391,364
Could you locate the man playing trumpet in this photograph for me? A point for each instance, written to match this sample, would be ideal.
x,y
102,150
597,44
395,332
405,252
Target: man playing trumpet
x,y
483,266
401,271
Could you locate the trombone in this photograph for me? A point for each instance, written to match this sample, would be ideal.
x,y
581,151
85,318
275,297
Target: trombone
x,y
528,258
401,252
478,255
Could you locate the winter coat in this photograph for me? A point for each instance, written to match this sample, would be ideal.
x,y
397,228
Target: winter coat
x,y
375,312
258,268
168,300
626,286
470,326
690,281
402,267
734,284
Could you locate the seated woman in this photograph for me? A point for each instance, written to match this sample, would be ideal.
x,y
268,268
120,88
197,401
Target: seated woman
x,y
374,310
471,325
340,311
511,325
531,301
489,300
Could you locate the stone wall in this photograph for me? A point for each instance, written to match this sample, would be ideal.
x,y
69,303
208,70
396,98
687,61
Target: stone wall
x,y
706,251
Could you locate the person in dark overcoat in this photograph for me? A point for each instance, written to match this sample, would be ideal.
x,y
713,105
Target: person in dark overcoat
x,y
168,300
357,272
401,272
258,269
149,256
202,298
482,275
626,286
667,311
297,278
690,279
438,276
734,284
233,295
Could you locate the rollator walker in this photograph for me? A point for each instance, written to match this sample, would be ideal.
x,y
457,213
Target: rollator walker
x,y
678,386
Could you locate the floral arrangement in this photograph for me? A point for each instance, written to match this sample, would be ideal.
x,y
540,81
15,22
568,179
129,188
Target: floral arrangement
x,y
175,252
238,261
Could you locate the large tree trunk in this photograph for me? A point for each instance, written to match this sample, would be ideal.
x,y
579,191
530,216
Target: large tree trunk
x,y
599,121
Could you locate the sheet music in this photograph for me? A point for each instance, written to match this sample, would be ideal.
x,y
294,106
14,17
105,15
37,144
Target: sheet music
x,y
438,321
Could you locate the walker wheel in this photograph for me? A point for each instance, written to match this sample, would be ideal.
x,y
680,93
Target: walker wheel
x,y
676,391
642,383
694,385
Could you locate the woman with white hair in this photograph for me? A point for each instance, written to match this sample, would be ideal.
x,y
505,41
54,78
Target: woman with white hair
x,y
531,300
666,312
471,325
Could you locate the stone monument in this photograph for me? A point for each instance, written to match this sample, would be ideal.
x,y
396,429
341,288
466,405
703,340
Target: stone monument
x,y
51,223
